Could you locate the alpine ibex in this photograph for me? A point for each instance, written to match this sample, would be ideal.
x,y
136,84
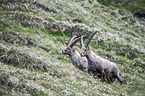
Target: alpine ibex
x,y
78,61
94,67
106,68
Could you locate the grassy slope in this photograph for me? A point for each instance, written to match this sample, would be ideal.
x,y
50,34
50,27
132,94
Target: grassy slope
x,y
33,34
135,6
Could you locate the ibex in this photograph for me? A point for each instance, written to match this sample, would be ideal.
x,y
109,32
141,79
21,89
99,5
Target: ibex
x,y
78,61
106,68
94,67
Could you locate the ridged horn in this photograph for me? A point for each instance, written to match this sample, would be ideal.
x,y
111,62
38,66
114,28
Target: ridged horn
x,y
75,41
89,39
70,41
82,42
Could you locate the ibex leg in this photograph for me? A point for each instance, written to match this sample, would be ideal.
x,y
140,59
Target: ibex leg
x,y
119,78
108,79
103,76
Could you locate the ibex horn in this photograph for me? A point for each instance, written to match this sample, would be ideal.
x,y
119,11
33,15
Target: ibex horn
x,y
75,41
70,41
82,43
89,39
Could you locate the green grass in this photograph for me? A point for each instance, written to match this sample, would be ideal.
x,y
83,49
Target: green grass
x,y
131,5
33,34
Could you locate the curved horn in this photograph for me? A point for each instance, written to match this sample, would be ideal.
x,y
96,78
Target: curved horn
x,y
70,41
75,41
89,39
82,43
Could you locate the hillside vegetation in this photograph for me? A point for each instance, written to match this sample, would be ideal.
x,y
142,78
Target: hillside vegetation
x,y
34,33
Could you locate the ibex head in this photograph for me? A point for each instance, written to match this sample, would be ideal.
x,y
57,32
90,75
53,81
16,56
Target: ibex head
x,y
85,48
71,43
